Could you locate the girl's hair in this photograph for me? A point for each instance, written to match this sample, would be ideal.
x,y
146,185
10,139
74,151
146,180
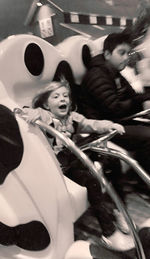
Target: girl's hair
x,y
41,98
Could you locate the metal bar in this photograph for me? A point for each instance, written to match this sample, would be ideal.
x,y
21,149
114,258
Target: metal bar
x,y
138,114
132,162
100,177
100,141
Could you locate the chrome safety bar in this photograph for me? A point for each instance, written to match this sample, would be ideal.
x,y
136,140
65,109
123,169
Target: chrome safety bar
x,y
100,142
95,172
130,161
137,115
100,146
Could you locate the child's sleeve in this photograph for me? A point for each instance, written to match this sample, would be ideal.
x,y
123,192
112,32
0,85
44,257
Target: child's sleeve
x,y
45,116
38,113
90,126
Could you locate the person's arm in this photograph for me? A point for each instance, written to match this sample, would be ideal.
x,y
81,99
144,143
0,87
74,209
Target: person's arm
x,y
95,126
104,93
140,99
146,105
38,113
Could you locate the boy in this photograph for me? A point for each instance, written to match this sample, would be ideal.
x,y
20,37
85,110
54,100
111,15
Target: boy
x,y
107,95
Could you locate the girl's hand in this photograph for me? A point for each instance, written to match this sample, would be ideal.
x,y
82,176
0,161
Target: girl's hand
x,y
119,128
32,114
107,126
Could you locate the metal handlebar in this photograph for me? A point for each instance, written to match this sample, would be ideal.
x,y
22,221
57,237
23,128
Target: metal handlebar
x,y
132,162
138,114
102,141
100,146
95,172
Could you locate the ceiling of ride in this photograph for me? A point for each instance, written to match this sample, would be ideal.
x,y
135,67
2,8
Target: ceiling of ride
x,y
13,14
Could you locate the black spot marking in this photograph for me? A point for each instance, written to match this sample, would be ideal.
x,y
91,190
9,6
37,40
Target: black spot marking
x,y
31,236
11,145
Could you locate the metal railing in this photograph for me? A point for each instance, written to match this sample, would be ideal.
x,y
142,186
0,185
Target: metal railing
x,y
137,115
99,145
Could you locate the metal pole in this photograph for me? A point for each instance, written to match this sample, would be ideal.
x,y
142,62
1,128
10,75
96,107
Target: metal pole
x,y
101,179
93,170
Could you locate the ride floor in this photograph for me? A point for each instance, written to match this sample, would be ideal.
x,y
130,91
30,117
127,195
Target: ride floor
x,y
138,204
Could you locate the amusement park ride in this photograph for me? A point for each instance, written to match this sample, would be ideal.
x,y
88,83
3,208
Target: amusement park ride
x,y
36,191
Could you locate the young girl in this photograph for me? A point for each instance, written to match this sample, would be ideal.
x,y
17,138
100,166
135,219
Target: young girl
x,y
53,106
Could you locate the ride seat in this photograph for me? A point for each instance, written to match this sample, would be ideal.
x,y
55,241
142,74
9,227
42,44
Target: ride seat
x,y
78,196
77,52
28,63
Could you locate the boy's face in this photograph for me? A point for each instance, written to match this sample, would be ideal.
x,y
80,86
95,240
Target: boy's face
x,y
59,102
119,57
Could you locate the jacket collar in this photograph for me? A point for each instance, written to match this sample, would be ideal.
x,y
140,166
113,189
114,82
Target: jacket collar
x,y
99,61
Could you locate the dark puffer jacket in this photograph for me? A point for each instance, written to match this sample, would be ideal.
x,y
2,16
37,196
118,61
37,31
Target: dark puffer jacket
x,y
106,94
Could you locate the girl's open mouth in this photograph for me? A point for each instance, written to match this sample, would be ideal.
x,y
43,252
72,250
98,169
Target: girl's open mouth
x,y
63,107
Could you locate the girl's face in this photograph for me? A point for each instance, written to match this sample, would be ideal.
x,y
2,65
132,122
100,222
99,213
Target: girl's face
x,y
59,102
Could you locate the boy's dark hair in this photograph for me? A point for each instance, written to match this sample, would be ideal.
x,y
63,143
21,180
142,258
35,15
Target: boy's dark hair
x,y
115,39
